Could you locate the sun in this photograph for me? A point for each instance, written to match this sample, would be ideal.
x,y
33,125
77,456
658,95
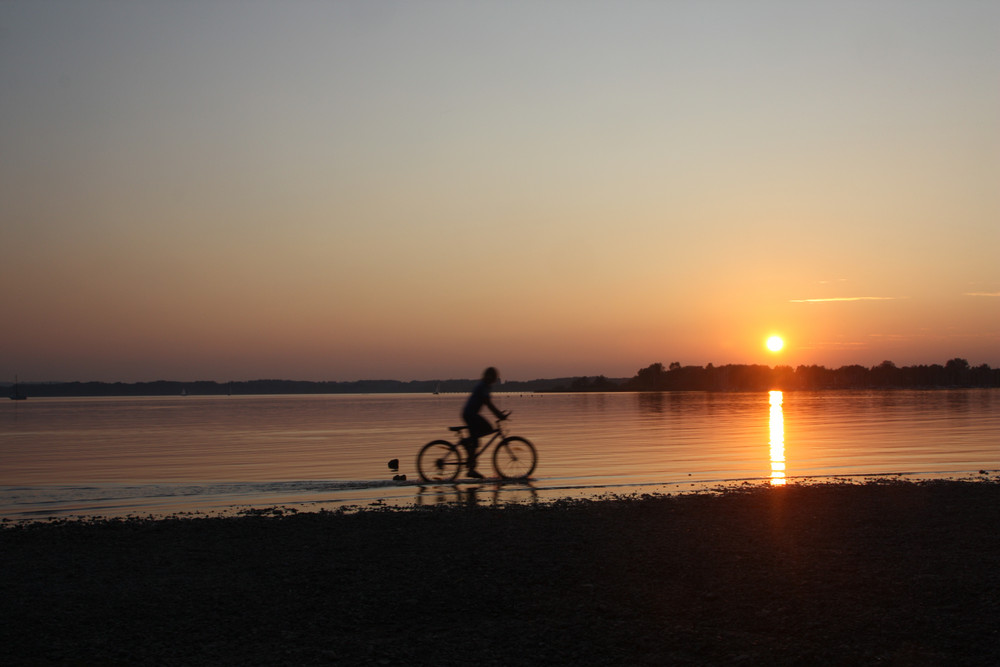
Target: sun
x,y
774,343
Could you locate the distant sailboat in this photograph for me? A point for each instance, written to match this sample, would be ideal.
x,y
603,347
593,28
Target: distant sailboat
x,y
16,395
437,389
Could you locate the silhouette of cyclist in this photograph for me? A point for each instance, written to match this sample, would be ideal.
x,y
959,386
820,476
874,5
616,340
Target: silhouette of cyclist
x,y
478,426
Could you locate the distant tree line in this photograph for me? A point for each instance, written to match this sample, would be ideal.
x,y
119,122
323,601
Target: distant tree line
x,y
737,377
655,377
260,387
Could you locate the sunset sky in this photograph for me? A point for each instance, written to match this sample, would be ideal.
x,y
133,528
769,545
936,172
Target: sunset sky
x,y
232,190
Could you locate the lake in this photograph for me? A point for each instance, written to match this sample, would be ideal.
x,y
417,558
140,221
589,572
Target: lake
x,y
62,457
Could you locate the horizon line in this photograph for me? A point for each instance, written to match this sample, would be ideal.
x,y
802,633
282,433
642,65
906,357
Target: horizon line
x,y
473,379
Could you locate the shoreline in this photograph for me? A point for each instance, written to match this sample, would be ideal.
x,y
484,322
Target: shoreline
x,y
357,497
887,571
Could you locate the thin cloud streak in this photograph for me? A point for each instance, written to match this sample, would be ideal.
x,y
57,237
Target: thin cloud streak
x,y
982,294
849,298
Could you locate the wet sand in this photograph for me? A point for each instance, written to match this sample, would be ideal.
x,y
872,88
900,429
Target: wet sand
x,y
882,573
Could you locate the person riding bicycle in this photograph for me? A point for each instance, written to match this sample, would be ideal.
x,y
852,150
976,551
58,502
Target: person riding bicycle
x,y
478,426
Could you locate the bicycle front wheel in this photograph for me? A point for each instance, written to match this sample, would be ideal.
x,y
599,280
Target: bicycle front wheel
x,y
439,461
514,458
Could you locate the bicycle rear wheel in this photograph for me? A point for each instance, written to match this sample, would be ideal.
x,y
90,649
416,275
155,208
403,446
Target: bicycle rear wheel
x,y
514,458
439,461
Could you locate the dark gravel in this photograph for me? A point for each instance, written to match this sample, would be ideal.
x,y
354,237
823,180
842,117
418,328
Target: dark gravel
x,y
881,573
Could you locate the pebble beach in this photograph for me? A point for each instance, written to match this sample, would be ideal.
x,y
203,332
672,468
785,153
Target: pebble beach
x,y
886,572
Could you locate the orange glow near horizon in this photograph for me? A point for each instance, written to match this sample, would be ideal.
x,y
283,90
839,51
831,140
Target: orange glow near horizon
x,y
383,217
777,443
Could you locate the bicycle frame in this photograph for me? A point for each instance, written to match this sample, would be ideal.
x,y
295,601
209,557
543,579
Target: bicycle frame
x,y
496,436
514,457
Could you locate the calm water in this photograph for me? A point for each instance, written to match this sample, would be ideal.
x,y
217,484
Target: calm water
x,y
118,456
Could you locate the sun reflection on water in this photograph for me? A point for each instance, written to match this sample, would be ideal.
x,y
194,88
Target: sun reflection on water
x,y
777,439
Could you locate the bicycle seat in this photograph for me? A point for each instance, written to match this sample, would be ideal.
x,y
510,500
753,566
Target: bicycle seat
x,y
456,429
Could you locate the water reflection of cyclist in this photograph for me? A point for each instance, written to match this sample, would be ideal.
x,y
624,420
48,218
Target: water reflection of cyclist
x,y
478,426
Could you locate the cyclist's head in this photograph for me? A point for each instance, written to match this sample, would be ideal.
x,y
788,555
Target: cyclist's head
x,y
491,375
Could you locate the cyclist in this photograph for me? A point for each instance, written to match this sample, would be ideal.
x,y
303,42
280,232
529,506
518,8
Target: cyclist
x,y
478,426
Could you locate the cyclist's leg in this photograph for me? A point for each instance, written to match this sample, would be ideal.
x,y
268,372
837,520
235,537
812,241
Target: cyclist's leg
x,y
471,444
477,427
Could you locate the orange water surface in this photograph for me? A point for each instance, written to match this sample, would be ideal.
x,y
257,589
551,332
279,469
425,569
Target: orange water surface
x,y
114,456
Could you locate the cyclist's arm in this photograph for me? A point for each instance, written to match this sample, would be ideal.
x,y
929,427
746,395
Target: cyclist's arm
x,y
496,411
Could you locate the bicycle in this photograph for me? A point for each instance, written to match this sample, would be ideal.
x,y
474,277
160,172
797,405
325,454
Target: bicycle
x,y
514,457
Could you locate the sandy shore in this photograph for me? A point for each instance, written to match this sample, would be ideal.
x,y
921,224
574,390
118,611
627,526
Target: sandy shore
x,y
888,573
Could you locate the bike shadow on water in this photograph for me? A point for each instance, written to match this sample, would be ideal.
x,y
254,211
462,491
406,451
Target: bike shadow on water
x,y
480,492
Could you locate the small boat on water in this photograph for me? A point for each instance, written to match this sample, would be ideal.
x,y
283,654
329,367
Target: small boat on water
x,y
16,394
